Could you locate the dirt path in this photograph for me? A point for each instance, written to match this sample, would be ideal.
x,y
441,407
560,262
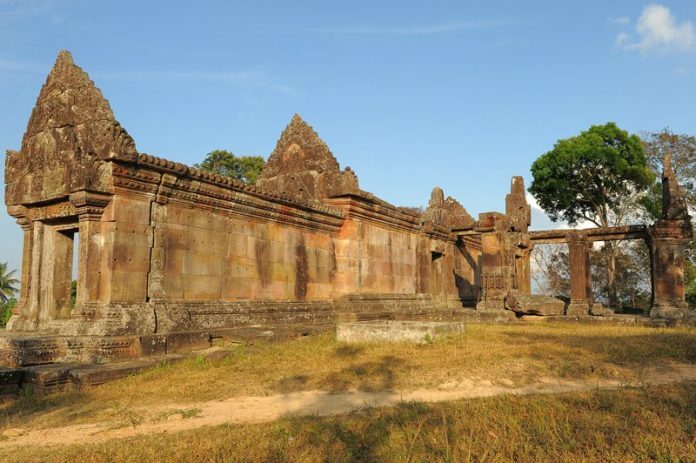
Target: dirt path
x,y
172,417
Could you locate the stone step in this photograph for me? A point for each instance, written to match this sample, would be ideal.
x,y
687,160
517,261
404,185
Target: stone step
x,y
43,379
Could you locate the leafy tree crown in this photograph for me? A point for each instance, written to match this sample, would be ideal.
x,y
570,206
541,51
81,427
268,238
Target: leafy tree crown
x,y
222,162
585,177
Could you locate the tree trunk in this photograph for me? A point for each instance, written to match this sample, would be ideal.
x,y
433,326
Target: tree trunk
x,y
611,274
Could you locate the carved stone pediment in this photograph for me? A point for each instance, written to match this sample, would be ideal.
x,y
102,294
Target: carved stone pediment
x,y
302,166
72,130
447,212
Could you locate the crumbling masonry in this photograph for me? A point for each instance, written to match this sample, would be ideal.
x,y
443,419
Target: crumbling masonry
x,y
166,249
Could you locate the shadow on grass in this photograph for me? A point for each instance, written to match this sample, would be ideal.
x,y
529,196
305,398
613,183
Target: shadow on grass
x,y
367,376
30,402
347,350
578,351
364,436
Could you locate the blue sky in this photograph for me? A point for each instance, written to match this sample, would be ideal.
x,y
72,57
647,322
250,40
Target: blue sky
x,y
458,94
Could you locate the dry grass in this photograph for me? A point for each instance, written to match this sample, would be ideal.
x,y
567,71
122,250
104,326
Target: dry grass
x,y
509,355
649,424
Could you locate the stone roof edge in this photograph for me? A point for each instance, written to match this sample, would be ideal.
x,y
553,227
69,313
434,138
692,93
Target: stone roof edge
x,y
164,165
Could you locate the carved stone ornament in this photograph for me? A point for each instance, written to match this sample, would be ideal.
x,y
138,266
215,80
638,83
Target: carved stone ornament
x,y
71,131
447,213
302,166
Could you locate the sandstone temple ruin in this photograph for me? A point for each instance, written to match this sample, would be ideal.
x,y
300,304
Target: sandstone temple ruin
x,y
168,253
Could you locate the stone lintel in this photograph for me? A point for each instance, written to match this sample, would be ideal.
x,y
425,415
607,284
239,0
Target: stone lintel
x,y
89,205
591,234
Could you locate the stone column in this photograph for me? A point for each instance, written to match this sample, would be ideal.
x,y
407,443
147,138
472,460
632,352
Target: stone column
x,y
523,274
580,275
21,312
494,284
90,207
25,278
667,249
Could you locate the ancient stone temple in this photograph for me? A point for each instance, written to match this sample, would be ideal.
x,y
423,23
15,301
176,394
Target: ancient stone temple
x,y
162,247
167,253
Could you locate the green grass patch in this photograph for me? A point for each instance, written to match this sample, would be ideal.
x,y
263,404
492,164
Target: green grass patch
x,y
510,355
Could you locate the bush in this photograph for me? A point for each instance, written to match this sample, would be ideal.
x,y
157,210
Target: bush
x,y
6,311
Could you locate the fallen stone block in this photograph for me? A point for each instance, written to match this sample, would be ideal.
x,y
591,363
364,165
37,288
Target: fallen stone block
x,y
47,378
598,310
94,375
419,332
534,304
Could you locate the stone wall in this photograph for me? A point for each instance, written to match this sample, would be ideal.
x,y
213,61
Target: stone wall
x,y
165,247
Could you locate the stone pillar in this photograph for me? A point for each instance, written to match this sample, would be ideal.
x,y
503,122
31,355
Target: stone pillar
x,y
668,239
25,279
34,298
523,273
519,216
21,312
90,268
494,278
667,249
580,275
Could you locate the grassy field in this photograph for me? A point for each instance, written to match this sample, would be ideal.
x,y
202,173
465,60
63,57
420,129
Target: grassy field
x,y
572,426
510,355
630,425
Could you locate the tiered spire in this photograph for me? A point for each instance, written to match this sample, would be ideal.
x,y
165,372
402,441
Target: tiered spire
x,y
70,130
299,149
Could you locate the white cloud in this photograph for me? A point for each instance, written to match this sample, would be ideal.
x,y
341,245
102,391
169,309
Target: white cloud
x,y
541,221
531,200
657,30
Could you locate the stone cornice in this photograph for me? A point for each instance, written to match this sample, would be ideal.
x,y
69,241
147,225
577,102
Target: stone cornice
x,y
364,208
170,182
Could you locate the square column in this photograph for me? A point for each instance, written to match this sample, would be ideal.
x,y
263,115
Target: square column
x,y
24,314
667,248
495,275
580,275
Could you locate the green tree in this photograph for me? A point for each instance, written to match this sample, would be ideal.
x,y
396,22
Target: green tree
x,y
6,310
8,283
222,162
590,177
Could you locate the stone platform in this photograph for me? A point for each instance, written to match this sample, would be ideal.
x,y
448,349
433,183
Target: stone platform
x,y
24,349
419,332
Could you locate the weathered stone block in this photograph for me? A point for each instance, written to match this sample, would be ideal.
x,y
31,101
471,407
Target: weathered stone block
x,y
534,304
128,286
396,331
202,287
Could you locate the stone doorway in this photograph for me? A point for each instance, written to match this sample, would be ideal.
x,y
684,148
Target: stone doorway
x,y
59,256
